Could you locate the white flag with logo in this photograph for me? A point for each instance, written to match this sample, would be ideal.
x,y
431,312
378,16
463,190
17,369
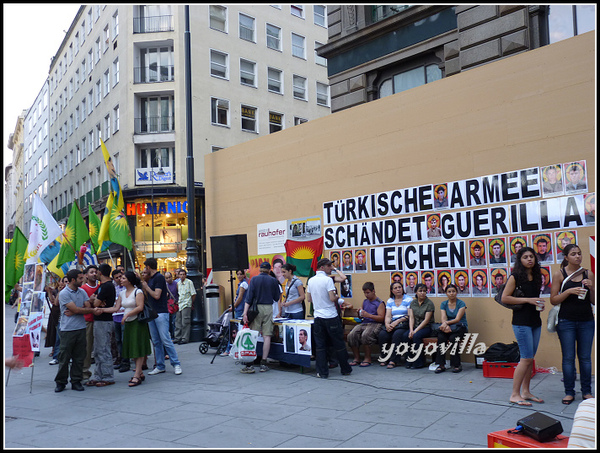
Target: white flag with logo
x,y
42,232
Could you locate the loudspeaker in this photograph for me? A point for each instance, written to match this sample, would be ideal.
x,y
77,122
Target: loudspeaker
x,y
229,252
541,427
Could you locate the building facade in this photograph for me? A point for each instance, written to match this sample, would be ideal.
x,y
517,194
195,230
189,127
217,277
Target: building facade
x,y
119,76
15,142
374,51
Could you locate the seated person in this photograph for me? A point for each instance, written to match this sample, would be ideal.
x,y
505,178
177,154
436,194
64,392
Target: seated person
x,y
367,332
453,327
420,319
396,322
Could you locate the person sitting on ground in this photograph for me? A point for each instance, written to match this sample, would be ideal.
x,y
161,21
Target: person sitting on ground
x,y
367,332
453,327
396,322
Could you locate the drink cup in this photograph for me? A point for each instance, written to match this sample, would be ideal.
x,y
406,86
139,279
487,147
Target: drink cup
x,y
582,293
540,305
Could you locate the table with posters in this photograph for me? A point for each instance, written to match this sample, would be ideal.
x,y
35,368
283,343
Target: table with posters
x,y
291,340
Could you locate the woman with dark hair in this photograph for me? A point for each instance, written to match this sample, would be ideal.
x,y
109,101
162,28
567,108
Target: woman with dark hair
x,y
136,336
293,305
526,321
452,328
395,324
573,289
420,318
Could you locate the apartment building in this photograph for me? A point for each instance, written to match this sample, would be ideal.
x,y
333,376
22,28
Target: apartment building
x,y
14,218
119,76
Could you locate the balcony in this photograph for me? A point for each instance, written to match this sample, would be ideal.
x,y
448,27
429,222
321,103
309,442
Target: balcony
x,y
152,24
154,74
154,125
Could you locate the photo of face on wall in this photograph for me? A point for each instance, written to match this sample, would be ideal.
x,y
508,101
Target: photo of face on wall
x,y
39,282
428,279
546,281
303,335
37,301
461,280
334,256
29,273
497,252
477,251
575,177
360,260
564,238
516,244
433,227
542,244
552,180
347,265
499,277
479,283
396,276
444,277
346,287
440,192
412,278
589,201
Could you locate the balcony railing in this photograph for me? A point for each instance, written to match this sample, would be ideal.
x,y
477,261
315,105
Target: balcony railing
x,y
380,12
154,74
154,125
152,24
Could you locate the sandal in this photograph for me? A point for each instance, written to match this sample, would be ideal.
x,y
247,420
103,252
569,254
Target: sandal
x,y
134,382
587,396
354,363
457,369
104,383
382,363
566,401
391,365
440,369
92,383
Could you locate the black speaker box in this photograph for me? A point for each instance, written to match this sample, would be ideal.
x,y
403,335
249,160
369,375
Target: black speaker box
x,y
229,252
541,427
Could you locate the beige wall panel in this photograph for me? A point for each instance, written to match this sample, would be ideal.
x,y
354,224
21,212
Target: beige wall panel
x,y
533,109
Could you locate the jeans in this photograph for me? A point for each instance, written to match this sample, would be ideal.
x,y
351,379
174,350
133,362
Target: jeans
x,y
576,337
528,339
392,339
161,339
299,315
416,343
332,330
102,353
57,342
450,338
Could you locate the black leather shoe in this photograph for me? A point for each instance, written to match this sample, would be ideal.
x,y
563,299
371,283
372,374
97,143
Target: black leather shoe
x,y
59,388
77,386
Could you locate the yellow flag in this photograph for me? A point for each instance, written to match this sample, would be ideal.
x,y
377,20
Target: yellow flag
x,y
105,224
115,187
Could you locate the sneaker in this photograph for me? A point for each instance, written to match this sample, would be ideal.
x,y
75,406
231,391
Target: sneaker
x,y
53,362
321,377
224,354
264,368
155,371
178,369
247,370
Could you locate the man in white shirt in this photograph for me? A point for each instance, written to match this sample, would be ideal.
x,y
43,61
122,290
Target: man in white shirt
x,y
327,327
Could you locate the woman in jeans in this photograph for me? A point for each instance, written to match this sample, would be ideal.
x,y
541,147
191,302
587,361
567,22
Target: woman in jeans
x,y
575,320
526,322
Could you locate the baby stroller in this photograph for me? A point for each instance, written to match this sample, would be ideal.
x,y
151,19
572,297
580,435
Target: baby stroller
x,y
217,335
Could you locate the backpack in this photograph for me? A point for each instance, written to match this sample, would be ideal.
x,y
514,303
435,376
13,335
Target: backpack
x,y
517,293
500,352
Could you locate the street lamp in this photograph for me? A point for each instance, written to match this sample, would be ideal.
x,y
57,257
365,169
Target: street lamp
x,y
160,172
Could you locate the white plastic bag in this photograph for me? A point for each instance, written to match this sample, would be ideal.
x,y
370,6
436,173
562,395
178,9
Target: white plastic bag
x,y
244,346
553,318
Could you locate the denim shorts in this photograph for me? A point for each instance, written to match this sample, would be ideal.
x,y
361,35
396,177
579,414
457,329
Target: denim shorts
x,y
528,339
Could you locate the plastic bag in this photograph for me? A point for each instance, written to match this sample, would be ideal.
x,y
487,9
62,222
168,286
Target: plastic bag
x,y
553,318
244,346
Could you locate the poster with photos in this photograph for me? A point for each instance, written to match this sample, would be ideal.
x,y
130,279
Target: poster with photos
x,y
552,180
347,263
498,277
542,244
412,279
346,287
440,192
589,201
40,277
462,282
397,276
477,253
479,283
562,239
444,278
516,243
428,279
497,252
575,177
546,281
434,232
334,256
360,260
303,336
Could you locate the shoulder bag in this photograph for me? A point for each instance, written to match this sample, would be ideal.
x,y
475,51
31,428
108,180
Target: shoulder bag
x,y
517,293
553,313
171,304
252,312
147,314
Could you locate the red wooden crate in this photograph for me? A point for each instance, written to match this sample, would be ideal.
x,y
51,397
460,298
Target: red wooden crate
x,y
501,369
504,439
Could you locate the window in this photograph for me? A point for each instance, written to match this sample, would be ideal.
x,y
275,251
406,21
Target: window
x,y
115,69
275,122
155,157
297,10
218,18
247,27
76,117
322,94
91,101
298,46
90,61
98,92
77,80
115,24
219,65
566,21
98,135
320,14
77,156
219,112
97,51
116,123
318,59
274,77
410,79
247,73
249,119
106,132
299,84
106,80
156,65
106,36
273,37
298,120
157,115
83,110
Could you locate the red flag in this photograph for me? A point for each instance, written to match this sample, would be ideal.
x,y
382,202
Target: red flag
x,y
304,255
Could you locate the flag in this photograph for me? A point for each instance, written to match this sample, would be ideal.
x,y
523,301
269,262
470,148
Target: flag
x,y
14,263
50,252
42,232
94,229
304,255
76,233
104,225
118,229
114,181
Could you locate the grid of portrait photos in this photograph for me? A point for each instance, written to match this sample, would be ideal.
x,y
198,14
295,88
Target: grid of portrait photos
x,y
33,301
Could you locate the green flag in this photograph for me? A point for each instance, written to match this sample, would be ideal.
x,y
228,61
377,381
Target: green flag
x,y
118,228
304,255
94,229
14,263
76,234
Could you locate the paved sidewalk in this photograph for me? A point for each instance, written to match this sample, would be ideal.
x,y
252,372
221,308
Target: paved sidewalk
x,y
216,406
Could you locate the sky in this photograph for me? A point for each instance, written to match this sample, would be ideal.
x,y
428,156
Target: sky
x,y
32,35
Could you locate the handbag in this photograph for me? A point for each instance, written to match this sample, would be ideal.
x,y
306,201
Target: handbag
x,y
517,293
252,312
171,304
553,318
147,314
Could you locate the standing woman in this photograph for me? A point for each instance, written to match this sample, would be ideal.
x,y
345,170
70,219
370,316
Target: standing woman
x,y
575,320
526,322
453,327
240,295
395,323
136,336
420,317
293,305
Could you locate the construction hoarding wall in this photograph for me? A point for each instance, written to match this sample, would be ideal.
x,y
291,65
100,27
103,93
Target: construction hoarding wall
x,y
371,173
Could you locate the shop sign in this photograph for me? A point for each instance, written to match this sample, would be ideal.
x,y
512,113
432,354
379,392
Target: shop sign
x,y
170,207
143,175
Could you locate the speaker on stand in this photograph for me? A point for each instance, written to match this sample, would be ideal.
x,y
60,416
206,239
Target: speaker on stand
x,y
229,253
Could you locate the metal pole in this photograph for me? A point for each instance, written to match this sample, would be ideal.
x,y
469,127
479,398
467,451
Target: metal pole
x,y
192,261
152,204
